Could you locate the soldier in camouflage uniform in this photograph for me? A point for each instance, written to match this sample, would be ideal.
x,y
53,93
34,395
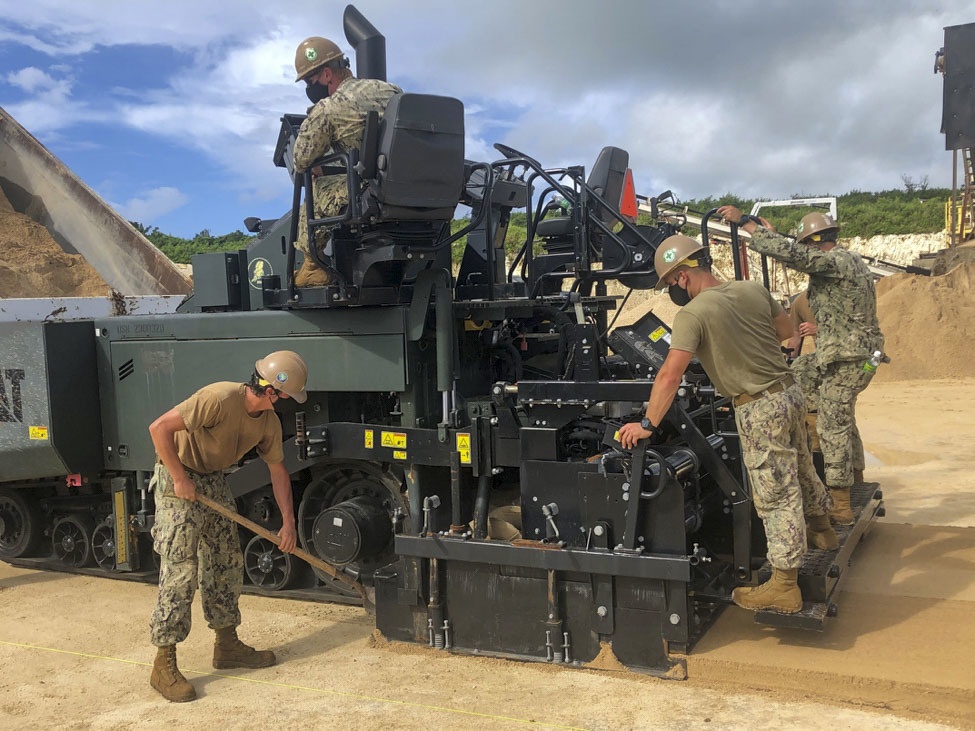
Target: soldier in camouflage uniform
x,y
335,122
196,441
805,369
843,301
735,329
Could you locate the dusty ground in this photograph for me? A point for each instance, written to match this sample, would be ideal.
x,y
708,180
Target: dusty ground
x,y
75,653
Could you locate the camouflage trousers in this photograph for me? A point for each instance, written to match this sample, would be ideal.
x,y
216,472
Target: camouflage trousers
x,y
197,547
331,196
832,392
784,483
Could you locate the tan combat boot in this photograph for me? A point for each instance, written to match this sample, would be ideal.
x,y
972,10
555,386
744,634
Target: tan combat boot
x,y
780,593
820,534
841,514
167,679
310,274
230,652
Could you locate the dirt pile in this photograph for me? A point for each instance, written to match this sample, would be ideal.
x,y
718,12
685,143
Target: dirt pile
x,y
928,323
33,265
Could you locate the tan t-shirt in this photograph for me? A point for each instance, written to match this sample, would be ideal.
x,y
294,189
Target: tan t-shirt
x,y
729,328
219,431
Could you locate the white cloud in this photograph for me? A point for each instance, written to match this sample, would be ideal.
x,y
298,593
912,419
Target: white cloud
x,y
30,79
755,97
151,205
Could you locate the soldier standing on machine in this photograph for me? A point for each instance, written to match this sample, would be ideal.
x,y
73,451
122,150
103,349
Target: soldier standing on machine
x,y
805,369
735,329
843,301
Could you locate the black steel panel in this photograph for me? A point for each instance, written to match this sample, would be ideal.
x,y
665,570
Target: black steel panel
x,y
958,111
75,406
646,566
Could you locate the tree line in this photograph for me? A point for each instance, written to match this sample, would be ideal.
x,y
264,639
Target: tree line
x,y
181,250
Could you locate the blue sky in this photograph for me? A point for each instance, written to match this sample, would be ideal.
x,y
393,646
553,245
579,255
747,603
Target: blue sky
x,y
170,110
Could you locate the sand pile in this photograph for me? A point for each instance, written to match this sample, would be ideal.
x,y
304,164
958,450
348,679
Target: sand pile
x,y
928,323
33,265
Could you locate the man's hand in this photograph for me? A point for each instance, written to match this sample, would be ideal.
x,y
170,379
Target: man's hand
x,y
730,214
185,488
288,537
807,329
630,434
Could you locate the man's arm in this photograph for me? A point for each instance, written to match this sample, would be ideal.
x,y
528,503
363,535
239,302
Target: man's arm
x,y
314,138
801,257
281,485
163,431
662,394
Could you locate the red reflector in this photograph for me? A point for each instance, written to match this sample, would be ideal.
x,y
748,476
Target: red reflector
x,y
628,207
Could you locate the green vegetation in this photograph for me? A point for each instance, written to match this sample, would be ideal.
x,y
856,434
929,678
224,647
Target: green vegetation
x,y
916,209
181,251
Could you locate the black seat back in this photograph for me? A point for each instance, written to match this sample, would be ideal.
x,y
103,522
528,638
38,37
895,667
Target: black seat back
x,y
419,162
607,178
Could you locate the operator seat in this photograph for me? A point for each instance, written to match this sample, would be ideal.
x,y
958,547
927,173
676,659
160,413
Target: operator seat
x,y
417,171
606,182
411,166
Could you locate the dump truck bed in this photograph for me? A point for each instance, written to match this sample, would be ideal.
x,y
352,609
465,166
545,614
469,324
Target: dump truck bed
x,y
37,183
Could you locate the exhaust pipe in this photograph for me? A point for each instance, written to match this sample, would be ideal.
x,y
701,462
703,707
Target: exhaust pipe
x,y
369,45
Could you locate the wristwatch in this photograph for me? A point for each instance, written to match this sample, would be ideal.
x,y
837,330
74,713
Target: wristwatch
x,y
645,424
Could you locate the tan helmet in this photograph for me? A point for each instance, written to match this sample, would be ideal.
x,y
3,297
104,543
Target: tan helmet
x,y
286,371
814,223
313,53
671,253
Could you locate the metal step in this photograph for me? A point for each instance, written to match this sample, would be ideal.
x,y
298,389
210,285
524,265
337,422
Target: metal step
x,y
822,573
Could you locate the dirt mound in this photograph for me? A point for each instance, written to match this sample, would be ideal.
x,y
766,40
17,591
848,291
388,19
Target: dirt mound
x,y
928,323
33,265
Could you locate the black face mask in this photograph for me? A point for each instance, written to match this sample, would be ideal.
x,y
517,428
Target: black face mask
x,y
316,92
678,295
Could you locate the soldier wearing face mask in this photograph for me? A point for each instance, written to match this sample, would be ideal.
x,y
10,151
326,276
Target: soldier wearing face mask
x,y
843,301
734,328
335,122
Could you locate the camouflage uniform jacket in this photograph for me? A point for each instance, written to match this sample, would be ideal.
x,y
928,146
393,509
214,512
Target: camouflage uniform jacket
x,y
842,296
337,122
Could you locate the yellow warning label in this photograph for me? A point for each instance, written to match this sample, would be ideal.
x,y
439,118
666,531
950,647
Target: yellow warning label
x,y
463,442
657,334
38,432
399,454
465,456
396,440
370,438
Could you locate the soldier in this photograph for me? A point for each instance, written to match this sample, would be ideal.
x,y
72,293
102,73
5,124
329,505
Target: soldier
x,y
335,122
735,329
843,301
805,369
196,441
